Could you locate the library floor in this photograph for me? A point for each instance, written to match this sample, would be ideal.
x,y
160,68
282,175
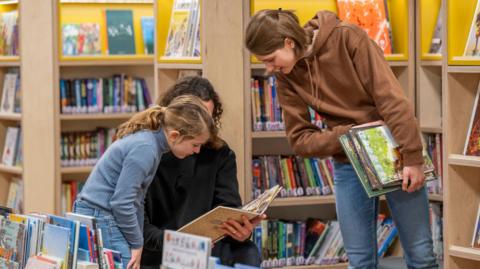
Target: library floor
x,y
394,263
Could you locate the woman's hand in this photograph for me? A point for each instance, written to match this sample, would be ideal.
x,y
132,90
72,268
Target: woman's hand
x,y
241,232
134,262
413,174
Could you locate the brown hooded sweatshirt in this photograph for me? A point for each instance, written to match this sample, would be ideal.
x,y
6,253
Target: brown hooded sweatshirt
x,y
345,78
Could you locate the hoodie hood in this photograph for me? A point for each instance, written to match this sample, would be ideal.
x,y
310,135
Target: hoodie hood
x,y
325,20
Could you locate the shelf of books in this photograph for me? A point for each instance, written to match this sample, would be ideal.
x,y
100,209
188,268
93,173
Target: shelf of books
x,y
11,182
429,70
178,41
105,66
105,32
461,131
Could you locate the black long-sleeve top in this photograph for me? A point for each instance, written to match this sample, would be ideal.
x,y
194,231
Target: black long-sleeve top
x,y
184,189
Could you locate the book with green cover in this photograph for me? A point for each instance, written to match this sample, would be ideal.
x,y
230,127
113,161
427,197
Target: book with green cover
x,y
120,34
375,156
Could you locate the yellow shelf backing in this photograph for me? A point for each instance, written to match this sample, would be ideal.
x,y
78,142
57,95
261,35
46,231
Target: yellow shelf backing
x,y
429,11
306,9
8,6
164,13
95,13
460,16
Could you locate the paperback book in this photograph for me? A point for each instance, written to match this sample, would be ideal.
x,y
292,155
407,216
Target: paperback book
x,y
376,158
472,143
472,46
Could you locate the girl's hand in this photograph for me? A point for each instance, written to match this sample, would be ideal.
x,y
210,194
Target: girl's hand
x,y
240,232
415,175
135,260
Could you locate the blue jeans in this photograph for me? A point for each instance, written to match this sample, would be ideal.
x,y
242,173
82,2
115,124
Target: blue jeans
x,y
111,235
357,215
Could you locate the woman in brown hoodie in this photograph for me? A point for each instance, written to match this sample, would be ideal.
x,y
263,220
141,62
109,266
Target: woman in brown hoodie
x,y
336,69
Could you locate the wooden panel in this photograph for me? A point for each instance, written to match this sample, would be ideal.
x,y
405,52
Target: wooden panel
x,y
223,49
429,96
40,154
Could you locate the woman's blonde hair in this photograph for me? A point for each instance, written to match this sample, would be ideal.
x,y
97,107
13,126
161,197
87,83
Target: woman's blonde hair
x,y
185,114
268,28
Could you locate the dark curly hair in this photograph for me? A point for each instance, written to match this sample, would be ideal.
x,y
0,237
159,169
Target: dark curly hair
x,y
197,86
203,89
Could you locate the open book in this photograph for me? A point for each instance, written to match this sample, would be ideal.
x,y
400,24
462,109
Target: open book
x,y
376,158
206,224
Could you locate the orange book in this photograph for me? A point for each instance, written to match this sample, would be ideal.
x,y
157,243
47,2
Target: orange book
x,y
371,16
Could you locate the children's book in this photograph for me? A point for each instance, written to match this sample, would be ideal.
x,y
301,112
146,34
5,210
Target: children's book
x,y
472,143
472,47
207,224
120,34
8,95
147,33
11,145
436,44
376,158
371,16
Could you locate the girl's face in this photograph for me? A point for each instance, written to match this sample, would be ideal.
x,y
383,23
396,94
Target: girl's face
x,y
282,60
183,148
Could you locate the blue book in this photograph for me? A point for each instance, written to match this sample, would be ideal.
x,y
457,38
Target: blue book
x,y
74,229
147,33
56,242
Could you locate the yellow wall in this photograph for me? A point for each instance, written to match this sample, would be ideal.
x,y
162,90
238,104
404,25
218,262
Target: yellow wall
x,y
460,17
429,11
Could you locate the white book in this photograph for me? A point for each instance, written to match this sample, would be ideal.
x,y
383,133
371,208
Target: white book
x,y
8,94
10,148
181,250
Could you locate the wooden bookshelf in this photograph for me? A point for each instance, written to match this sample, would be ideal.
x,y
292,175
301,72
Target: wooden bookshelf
x,y
103,116
76,170
462,187
9,63
15,170
94,66
10,117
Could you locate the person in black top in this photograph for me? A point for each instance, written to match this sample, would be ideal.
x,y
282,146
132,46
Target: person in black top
x,y
182,190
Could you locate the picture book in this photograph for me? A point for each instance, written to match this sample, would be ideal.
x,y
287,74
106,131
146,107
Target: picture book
x,y
56,243
148,25
120,33
472,47
476,231
177,34
11,145
206,224
10,83
371,16
181,250
376,158
472,143
70,39
436,44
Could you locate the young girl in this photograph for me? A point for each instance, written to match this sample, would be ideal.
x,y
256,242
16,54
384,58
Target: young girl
x,y
115,190
336,69
183,190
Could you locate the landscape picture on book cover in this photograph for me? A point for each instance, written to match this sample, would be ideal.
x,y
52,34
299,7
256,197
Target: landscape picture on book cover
x,y
472,47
